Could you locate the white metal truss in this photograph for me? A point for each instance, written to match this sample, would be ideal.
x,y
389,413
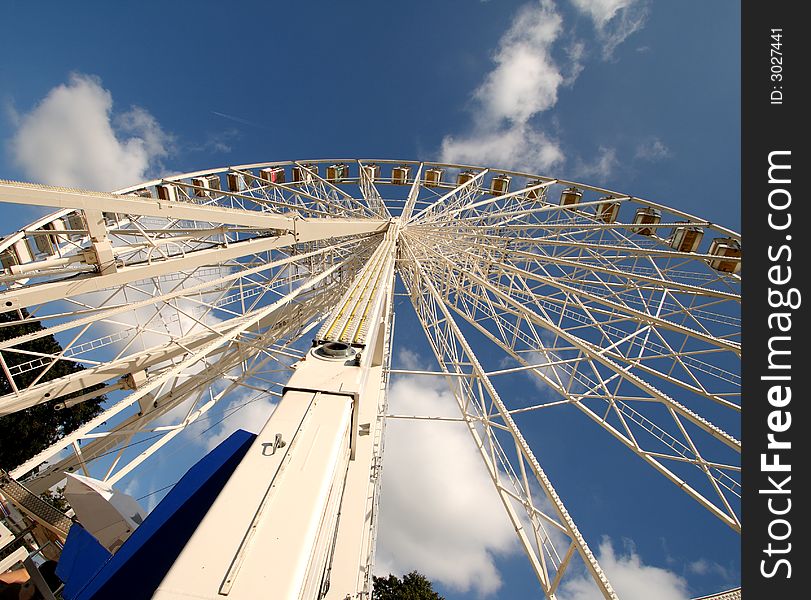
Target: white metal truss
x,y
176,296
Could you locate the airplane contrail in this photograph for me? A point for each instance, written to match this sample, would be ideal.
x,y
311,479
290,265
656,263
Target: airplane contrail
x,y
239,120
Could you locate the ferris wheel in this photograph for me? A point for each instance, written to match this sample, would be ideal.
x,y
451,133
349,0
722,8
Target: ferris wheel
x,y
278,280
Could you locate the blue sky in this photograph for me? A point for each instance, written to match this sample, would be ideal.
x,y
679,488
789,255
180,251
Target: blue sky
x,y
638,96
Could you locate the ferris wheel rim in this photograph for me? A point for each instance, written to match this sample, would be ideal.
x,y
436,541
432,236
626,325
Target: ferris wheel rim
x,y
9,239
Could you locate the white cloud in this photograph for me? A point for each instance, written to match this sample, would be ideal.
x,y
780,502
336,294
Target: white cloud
x,y
526,78
518,146
440,513
652,150
709,567
523,84
613,20
631,578
533,61
245,411
73,138
602,167
409,359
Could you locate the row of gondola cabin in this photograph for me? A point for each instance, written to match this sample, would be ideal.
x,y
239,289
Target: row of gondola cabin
x,y
337,172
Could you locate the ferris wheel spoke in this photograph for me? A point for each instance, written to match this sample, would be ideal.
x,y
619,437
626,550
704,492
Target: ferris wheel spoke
x,y
583,390
589,349
583,387
42,195
498,271
308,195
668,312
186,356
459,195
335,196
199,342
99,443
476,398
236,288
677,367
369,191
484,293
503,203
627,277
273,195
413,196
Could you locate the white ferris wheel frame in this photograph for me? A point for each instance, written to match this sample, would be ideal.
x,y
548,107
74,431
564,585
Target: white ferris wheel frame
x,y
182,291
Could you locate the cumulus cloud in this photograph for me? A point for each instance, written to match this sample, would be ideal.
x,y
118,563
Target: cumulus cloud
x,y
72,137
631,578
524,83
439,512
533,61
519,146
526,78
614,20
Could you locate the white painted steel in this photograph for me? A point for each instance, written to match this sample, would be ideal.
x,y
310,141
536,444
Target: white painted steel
x,y
175,307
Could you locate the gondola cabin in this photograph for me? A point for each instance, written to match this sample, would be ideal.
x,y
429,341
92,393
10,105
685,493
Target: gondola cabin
x,y
337,172
464,177
570,196
371,172
539,193
608,210
686,238
400,175
645,219
272,174
433,177
304,173
500,185
167,191
724,249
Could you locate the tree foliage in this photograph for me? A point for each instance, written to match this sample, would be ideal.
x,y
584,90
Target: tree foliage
x,y
412,586
25,433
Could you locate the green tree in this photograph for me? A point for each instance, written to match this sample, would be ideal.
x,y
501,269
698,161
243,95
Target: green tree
x,y
25,433
412,586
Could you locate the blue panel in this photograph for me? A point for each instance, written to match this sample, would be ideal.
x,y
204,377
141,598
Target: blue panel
x,y
136,570
82,558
